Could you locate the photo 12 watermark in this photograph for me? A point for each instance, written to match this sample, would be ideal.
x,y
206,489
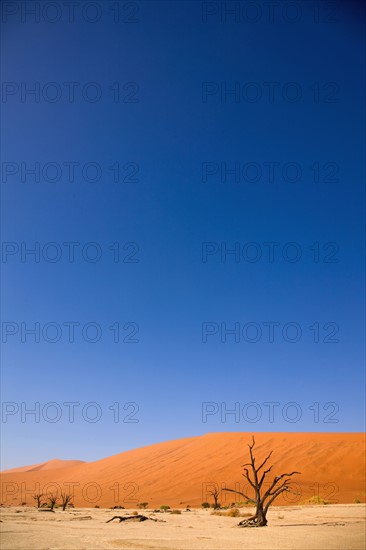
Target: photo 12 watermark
x,y
70,412
246,12
69,92
253,412
270,332
269,92
54,252
269,172
69,171
70,12
70,332
69,493
269,252
223,495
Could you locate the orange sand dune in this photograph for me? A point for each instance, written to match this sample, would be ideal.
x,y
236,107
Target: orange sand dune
x,y
181,472
50,465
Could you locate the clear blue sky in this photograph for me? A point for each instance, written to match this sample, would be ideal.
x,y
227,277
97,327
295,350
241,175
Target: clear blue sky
x,y
173,133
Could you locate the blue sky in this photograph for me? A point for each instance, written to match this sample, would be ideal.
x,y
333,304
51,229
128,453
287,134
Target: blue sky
x,y
298,108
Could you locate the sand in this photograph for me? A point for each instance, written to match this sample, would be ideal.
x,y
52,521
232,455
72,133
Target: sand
x,y
330,527
181,472
54,464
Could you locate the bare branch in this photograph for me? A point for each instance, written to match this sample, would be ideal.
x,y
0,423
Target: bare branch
x,y
246,475
38,498
285,488
65,499
277,479
264,475
264,461
278,485
242,494
53,498
269,494
215,494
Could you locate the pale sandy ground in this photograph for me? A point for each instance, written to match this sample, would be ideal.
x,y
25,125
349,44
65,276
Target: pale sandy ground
x,y
340,526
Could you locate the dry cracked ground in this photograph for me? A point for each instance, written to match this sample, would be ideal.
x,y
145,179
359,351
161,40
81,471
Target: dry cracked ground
x,y
340,527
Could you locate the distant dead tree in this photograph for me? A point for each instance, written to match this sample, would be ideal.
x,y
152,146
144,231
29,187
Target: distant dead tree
x,y
52,498
65,499
137,517
215,494
262,499
38,498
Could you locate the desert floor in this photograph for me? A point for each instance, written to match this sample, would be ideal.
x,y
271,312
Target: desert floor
x,y
339,526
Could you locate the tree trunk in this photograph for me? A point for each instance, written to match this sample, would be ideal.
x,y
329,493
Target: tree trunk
x,y
258,520
260,516
261,501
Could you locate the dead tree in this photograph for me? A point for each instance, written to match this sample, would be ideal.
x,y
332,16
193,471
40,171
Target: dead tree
x,y
143,505
137,517
215,494
65,499
52,500
38,498
262,500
